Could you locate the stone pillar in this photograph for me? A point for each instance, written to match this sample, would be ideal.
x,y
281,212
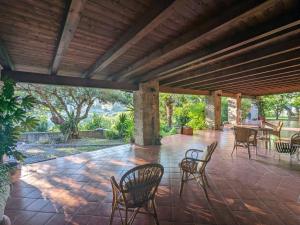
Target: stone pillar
x,y
234,110
146,114
213,110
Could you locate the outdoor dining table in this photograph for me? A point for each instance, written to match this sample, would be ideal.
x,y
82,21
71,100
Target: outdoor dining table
x,y
264,129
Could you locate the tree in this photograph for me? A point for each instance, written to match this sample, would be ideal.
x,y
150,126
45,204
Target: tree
x,y
167,100
68,106
275,103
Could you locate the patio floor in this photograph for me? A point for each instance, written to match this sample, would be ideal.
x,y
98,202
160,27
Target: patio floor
x,y
76,189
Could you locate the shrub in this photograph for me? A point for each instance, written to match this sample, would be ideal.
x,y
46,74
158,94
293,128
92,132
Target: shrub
x,y
42,126
182,115
197,116
97,121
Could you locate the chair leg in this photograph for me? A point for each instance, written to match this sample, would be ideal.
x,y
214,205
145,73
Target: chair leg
x,y
205,179
126,216
113,209
203,187
182,183
249,151
234,147
155,213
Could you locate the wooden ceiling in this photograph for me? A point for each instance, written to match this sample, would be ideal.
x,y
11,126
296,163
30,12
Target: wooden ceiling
x,y
250,47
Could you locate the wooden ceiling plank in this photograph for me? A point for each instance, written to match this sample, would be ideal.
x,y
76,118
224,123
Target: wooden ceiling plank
x,y
5,59
273,68
289,87
202,56
141,28
262,84
39,78
249,59
189,38
269,76
72,18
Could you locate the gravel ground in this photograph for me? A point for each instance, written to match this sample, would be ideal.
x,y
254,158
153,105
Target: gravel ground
x,y
38,152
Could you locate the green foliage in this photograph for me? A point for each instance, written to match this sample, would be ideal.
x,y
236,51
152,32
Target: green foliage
x,y
245,107
123,128
224,109
97,121
196,113
13,119
42,126
165,130
182,115
275,104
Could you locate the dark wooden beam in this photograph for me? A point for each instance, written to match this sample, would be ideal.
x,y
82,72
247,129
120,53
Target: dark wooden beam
x,y
73,10
172,90
260,76
238,73
159,12
203,31
264,87
216,52
5,60
38,78
254,58
284,88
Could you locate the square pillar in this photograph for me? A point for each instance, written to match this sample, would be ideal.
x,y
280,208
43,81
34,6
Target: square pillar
x,y
146,114
234,110
213,110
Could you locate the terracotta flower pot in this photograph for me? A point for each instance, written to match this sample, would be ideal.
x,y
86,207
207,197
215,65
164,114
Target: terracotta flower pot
x,y
187,131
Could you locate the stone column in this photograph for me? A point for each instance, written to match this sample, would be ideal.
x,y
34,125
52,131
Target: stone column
x,y
213,110
146,114
234,110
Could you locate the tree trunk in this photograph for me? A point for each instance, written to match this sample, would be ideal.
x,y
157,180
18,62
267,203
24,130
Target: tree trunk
x,y
169,109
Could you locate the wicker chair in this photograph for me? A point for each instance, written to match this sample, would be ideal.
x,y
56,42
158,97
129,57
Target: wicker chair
x,y
277,129
295,141
193,166
136,192
285,148
245,137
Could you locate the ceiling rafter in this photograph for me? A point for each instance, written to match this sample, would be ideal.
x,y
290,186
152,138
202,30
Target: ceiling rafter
x,y
245,8
141,28
71,19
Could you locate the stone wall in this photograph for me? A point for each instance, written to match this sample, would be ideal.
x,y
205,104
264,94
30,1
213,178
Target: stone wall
x,y
54,137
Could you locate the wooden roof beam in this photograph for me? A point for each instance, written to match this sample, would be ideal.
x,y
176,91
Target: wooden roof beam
x,y
264,77
216,52
159,12
201,32
270,48
38,78
172,90
287,60
73,10
5,60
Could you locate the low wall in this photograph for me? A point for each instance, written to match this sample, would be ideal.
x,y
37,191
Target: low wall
x,y
55,137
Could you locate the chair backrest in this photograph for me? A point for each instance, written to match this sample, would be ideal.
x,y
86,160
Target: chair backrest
x,y
279,126
242,134
295,139
284,147
207,156
139,184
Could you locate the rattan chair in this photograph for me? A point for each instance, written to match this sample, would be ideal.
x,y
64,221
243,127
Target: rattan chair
x,y
285,148
136,192
295,141
193,166
245,137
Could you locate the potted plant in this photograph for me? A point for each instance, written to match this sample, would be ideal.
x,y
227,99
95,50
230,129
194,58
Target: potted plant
x,y
182,118
14,118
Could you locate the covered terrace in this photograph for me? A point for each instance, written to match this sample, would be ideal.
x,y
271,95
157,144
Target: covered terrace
x,y
232,48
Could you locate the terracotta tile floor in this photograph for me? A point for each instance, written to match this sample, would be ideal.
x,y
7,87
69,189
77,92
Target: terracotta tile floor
x,y
76,189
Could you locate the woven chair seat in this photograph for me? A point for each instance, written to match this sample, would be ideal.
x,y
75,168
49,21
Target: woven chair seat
x,y
189,165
